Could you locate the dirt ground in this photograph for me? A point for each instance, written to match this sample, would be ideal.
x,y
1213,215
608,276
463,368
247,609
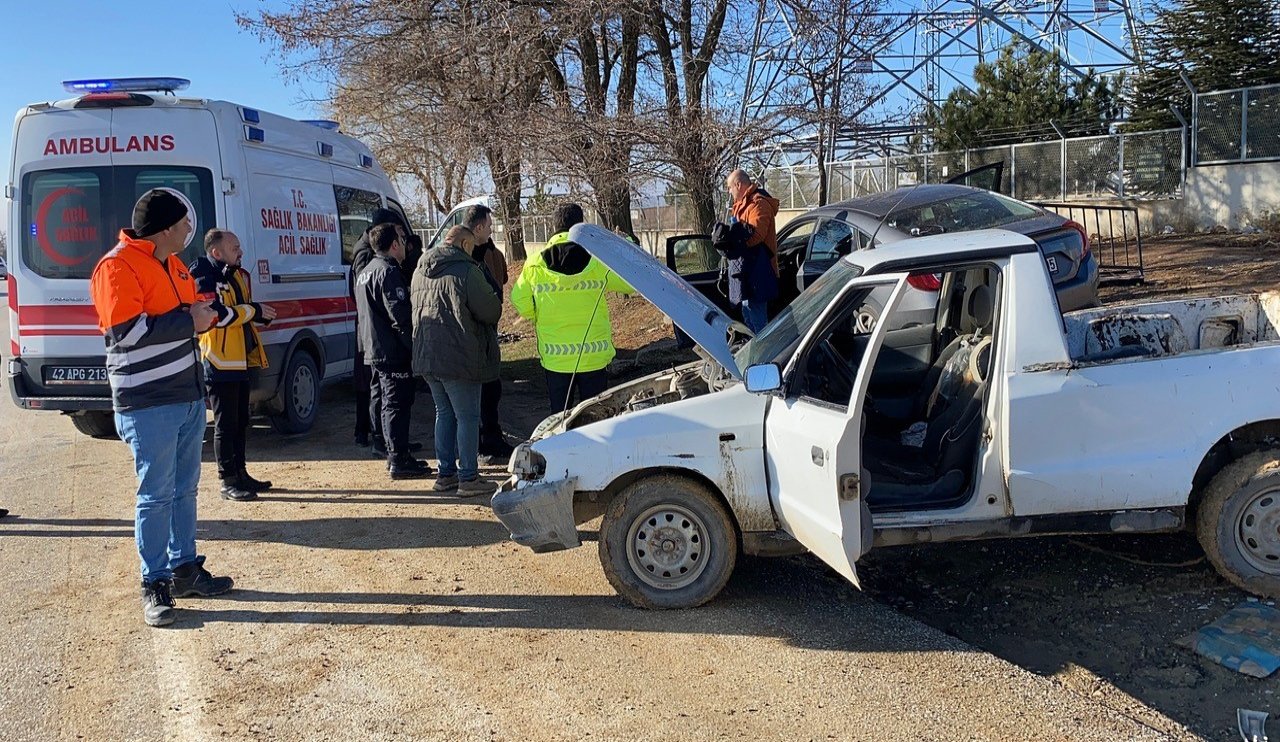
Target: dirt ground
x,y
374,609
1101,615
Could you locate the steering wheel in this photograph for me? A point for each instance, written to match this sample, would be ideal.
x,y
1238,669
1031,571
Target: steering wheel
x,y
829,375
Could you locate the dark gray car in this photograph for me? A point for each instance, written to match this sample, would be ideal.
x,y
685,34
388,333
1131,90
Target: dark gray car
x,y
811,243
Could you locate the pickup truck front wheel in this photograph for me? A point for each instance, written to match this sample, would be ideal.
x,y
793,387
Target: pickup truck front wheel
x,y
1238,523
666,542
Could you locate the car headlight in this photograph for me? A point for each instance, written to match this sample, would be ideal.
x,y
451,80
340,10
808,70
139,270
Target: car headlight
x,y
526,463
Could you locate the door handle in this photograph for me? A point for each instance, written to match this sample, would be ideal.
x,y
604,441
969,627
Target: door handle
x,y
818,455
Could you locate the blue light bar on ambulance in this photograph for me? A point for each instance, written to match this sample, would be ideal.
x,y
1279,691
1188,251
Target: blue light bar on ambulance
x,y
325,124
254,134
250,115
366,161
126,85
325,149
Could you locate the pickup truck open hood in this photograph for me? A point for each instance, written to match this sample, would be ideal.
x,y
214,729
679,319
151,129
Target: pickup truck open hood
x,y
692,312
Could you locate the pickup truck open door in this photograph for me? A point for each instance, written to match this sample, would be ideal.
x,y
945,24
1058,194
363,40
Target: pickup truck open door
x,y
813,431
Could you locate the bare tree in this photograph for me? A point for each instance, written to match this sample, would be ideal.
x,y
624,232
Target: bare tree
x,y
825,74
692,134
430,82
591,61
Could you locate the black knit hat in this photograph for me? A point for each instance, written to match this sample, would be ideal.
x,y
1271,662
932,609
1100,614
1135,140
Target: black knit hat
x,y
385,216
156,211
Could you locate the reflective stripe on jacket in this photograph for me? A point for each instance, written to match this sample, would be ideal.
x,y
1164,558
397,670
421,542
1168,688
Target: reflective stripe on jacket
x,y
152,355
568,311
232,346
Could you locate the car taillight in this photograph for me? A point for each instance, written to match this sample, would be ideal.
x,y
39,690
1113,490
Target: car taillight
x,y
1084,238
925,281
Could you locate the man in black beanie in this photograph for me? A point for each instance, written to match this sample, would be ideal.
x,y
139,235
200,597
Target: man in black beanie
x,y
149,315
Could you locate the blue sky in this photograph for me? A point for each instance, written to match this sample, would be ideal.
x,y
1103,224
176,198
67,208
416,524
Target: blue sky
x,y
48,41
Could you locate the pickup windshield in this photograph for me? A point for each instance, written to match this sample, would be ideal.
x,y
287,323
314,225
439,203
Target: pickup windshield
x,y
785,330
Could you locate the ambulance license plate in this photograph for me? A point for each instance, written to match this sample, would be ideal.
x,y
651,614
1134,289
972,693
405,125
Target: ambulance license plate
x,y
75,375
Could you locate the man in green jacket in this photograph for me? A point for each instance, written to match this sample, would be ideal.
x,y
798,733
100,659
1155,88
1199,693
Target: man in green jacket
x,y
561,291
455,347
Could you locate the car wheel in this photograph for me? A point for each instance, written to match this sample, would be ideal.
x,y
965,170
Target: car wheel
x,y
300,395
1238,523
96,424
667,542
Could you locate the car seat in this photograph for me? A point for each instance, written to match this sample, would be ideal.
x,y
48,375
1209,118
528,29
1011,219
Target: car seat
x,y
935,472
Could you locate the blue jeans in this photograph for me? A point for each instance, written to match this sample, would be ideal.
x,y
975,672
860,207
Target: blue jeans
x,y
166,442
457,427
755,314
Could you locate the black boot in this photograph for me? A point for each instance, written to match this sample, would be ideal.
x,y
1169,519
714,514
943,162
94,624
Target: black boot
x,y
193,579
253,485
233,490
157,603
409,468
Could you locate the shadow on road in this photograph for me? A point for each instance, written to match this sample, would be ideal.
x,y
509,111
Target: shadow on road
x,y
1114,606
362,534
768,598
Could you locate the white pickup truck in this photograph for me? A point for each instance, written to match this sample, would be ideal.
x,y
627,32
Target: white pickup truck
x,y
1002,417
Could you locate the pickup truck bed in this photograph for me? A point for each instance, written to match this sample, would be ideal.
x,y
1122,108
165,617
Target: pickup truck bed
x,y
1168,328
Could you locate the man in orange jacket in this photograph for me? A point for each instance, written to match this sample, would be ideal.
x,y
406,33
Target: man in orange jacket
x,y
757,273
149,316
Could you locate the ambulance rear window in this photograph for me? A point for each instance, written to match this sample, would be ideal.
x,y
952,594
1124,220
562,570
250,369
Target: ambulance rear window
x,y
71,217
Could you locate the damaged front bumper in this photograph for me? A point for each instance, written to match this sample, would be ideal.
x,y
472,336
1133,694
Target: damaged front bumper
x,y
539,515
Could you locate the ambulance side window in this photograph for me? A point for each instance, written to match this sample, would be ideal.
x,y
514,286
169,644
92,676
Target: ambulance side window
x,y
395,206
355,214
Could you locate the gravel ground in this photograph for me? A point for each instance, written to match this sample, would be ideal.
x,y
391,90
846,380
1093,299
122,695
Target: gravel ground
x,y
373,609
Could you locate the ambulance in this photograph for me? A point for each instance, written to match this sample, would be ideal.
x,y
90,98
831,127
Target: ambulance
x,y
298,194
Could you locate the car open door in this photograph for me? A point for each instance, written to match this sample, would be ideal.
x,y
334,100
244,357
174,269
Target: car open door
x,y
813,431
693,258
990,177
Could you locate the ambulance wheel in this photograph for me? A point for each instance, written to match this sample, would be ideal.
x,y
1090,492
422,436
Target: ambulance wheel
x,y
299,394
667,542
96,423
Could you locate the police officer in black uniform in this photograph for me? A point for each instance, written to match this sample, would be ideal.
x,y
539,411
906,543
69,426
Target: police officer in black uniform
x,y
386,337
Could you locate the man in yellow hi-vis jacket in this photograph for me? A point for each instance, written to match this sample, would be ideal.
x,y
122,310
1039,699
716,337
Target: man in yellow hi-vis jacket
x,y
561,290
230,348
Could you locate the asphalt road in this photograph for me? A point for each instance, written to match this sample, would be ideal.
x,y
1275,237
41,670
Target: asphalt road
x,y
373,609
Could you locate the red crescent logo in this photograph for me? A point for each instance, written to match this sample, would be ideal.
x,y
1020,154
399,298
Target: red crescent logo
x,y
42,234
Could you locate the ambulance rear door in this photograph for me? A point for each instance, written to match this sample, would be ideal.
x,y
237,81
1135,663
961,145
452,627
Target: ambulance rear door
x,y
78,173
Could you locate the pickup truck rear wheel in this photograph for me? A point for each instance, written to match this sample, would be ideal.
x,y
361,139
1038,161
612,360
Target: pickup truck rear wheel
x,y
666,542
1238,523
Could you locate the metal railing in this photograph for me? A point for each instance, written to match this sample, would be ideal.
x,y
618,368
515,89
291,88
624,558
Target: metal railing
x,y
1115,236
1142,165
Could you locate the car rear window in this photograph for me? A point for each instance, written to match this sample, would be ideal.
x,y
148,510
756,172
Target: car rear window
x,y
961,214
71,217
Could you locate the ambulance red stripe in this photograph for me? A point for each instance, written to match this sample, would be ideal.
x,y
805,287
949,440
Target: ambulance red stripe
x,y
81,315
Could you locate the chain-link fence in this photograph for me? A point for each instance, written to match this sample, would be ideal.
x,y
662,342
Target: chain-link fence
x,y
1140,165
1237,125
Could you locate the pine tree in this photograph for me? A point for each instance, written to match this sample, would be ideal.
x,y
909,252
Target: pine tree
x,y
1016,98
1220,44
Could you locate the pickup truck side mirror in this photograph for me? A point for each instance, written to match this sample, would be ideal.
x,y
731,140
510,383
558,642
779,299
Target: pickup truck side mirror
x,y
762,378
